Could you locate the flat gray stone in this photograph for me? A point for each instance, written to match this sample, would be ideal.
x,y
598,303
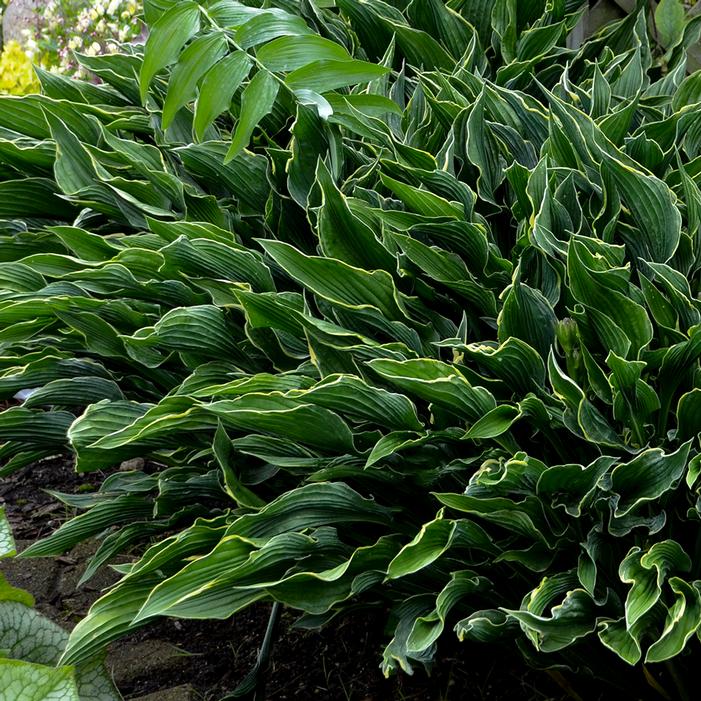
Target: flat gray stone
x,y
133,464
38,576
53,581
603,12
74,564
150,658
177,693
20,15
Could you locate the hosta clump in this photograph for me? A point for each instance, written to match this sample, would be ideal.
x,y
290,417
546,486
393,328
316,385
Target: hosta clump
x,y
400,301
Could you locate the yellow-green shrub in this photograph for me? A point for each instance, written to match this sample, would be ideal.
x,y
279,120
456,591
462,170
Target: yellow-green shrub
x,y
17,76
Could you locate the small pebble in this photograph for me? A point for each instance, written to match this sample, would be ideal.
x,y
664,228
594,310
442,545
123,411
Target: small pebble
x,y
133,464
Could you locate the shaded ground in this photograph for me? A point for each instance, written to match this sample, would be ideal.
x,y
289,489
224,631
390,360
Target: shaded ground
x,y
191,660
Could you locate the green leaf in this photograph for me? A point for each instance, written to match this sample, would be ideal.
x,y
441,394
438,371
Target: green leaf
x,y
74,168
121,509
428,545
35,644
194,63
266,26
7,542
433,540
428,628
393,443
27,635
683,620
33,197
396,655
201,329
288,53
108,618
166,39
494,423
620,322
482,149
524,518
256,102
325,75
436,382
153,9
653,209
10,593
573,486
312,506
41,428
223,453
646,572
339,282
514,362
688,412
422,201
74,391
615,636
217,88
244,178
355,398
448,269
647,477
298,421
485,626
527,315
670,20
32,682
570,620
443,23
343,235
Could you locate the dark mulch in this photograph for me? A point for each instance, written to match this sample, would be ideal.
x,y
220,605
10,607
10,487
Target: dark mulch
x,y
335,663
338,663
32,512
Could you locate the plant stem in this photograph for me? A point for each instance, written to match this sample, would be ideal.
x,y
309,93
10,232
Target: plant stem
x,y
253,685
678,682
265,650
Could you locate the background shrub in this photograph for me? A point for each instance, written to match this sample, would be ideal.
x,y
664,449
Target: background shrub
x,y
52,32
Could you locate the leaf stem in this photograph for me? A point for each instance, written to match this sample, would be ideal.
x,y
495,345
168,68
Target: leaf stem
x,y
678,682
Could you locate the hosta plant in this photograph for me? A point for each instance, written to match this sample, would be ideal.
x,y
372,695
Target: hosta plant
x,y
399,300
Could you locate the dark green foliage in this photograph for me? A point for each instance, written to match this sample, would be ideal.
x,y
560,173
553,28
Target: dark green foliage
x,y
403,304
